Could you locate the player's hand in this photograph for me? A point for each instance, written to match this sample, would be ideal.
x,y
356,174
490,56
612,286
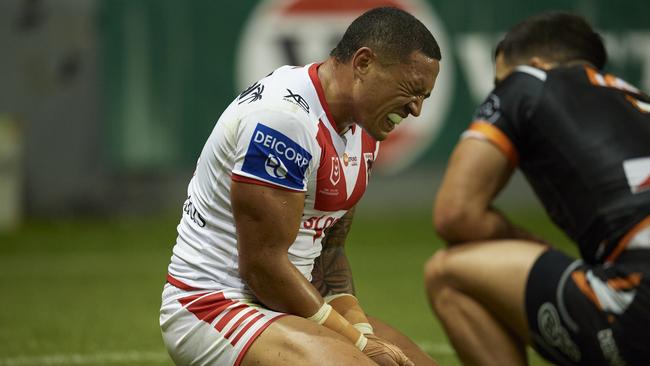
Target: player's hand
x,y
385,353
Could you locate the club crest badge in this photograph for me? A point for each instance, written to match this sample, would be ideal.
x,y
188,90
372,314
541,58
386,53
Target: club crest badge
x,y
335,174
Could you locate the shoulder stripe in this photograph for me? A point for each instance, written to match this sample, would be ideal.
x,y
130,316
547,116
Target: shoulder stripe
x,y
243,179
484,129
540,74
580,280
627,238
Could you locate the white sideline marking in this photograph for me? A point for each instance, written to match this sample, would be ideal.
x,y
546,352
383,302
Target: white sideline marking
x,y
85,359
136,356
436,348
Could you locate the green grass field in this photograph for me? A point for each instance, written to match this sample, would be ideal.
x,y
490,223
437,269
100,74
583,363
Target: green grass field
x,y
88,291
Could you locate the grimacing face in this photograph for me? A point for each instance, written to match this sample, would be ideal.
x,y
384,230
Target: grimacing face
x,y
398,88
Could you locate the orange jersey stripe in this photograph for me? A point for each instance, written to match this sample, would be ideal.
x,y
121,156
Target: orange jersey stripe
x,y
610,80
498,138
637,104
593,76
581,281
625,283
622,244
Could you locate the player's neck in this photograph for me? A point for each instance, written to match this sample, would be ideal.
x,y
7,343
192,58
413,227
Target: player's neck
x,y
336,80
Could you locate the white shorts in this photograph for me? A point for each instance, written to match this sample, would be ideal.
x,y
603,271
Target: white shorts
x,y
204,327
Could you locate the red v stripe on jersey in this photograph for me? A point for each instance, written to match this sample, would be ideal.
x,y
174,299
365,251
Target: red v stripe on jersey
x,y
333,197
329,197
368,144
313,75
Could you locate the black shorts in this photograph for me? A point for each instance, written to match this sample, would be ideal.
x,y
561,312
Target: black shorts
x,y
581,314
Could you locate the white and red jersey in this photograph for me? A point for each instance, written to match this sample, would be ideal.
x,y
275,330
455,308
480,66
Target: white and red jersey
x,y
279,133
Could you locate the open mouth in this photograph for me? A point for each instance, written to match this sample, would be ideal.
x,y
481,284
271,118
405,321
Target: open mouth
x,y
389,125
395,118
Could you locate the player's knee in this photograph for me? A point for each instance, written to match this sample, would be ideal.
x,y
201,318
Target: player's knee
x,y
439,290
330,352
434,272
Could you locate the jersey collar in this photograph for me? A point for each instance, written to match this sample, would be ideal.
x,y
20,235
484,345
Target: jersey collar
x,y
313,75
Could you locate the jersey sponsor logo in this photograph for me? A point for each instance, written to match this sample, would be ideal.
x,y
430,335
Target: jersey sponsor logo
x,y
609,347
190,210
637,172
490,109
298,32
350,160
252,94
370,160
297,100
275,168
275,157
554,333
319,224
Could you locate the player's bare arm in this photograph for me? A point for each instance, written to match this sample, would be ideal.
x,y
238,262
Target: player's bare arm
x,y
463,210
332,273
267,222
332,276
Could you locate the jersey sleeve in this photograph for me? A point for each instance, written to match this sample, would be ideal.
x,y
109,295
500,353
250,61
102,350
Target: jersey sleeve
x,y
274,148
503,117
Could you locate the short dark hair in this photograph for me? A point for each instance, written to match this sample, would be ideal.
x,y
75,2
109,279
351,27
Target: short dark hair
x,y
391,32
556,36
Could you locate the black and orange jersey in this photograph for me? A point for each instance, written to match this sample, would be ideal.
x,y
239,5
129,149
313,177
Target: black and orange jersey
x,y
582,139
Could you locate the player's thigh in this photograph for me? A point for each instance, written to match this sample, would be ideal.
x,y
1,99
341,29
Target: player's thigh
x,y
492,273
410,349
581,314
292,340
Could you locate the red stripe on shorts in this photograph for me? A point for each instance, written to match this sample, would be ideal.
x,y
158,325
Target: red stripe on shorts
x,y
253,338
232,312
238,323
206,308
245,328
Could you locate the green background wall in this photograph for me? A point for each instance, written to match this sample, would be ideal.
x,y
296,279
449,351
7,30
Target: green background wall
x,y
169,66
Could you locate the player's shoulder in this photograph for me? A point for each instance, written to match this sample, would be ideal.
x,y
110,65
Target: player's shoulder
x,y
283,107
522,88
286,90
525,82
524,77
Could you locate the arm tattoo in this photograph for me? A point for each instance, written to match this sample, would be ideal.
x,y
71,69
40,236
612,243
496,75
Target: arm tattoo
x,y
332,273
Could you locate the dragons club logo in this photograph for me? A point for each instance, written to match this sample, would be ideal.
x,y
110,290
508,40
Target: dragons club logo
x,y
298,32
335,174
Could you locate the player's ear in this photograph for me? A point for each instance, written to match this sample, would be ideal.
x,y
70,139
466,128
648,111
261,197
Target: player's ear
x,y
362,60
541,63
